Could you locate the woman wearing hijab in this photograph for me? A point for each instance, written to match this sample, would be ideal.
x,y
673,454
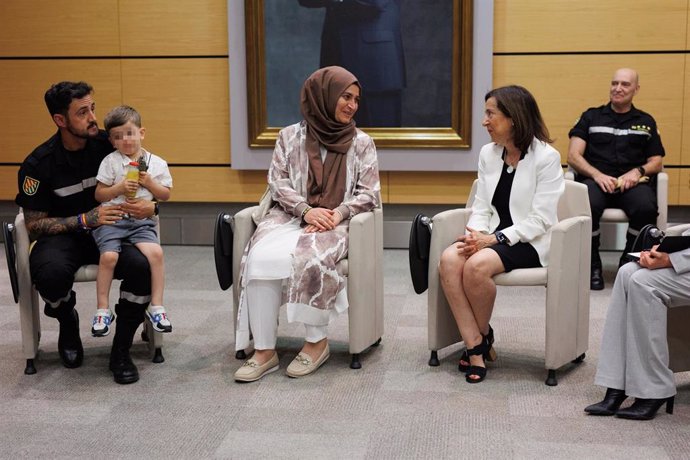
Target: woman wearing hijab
x,y
324,171
520,183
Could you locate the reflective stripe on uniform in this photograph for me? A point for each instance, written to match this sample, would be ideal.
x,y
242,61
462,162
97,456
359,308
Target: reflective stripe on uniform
x,y
76,188
140,299
617,132
56,303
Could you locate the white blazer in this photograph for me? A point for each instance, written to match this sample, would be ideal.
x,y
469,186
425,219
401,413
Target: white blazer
x,y
533,204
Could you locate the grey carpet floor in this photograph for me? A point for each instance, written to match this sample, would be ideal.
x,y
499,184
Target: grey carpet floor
x,y
395,407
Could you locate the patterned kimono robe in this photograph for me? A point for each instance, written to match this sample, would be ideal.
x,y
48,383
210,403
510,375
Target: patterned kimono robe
x,y
314,283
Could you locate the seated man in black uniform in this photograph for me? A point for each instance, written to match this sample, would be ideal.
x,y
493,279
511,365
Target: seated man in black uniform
x,y
56,190
611,148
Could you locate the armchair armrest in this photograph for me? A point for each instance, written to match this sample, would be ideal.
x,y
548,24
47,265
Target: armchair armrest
x,y
677,230
446,226
567,292
365,279
243,229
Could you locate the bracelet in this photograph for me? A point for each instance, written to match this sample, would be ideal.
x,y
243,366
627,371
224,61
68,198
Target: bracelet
x,y
81,220
306,210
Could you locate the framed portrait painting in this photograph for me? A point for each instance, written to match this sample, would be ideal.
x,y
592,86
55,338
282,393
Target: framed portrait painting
x,y
412,58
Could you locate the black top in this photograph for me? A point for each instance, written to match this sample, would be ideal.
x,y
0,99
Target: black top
x,y
61,182
501,198
617,143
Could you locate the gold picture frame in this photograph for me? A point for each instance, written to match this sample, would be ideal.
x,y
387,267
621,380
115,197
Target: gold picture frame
x,y
457,135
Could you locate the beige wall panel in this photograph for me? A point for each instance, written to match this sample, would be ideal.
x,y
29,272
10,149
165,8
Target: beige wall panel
x,y
429,187
59,28
8,182
687,34
674,186
589,25
683,187
565,86
24,119
164,27
184,107
216,184
685,150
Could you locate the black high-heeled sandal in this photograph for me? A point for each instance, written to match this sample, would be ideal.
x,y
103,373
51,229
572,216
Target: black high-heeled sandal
x,y
645,409
464,363
609,405
476,374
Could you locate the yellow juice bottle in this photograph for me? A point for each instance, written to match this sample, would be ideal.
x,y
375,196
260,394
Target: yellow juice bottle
x,y
132,174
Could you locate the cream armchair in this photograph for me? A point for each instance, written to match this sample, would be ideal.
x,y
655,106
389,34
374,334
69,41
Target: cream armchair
x,y
678,325
363,268
566,280
29,302
618,216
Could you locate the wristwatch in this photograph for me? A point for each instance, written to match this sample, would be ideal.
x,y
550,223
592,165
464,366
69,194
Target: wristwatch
x,y
642,171
501,238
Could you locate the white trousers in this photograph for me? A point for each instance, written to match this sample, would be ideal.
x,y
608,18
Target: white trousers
x,y
263,302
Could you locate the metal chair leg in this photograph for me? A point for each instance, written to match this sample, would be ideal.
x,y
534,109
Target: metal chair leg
x,y
551,378
30,369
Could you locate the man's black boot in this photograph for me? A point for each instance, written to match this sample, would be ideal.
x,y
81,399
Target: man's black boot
x,y
629,242
596,281
123,369
69,343
70,347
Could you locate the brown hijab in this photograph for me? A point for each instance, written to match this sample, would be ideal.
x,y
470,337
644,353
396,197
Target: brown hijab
x,y
319,97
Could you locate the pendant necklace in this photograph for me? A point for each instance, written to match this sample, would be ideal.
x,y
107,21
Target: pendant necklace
x,y
510,167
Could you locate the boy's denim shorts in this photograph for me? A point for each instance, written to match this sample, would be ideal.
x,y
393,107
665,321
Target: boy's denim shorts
x,y
109,238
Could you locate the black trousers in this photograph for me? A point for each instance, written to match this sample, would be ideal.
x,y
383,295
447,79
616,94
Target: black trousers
x,y
638,203
55,259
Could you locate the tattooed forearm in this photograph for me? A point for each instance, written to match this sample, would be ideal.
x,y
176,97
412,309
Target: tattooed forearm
x,y
92,218
39,224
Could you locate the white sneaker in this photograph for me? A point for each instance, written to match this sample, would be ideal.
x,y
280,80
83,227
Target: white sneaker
x,y
159,318
100,325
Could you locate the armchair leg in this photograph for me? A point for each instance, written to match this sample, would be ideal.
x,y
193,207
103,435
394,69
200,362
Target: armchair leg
x,y
579,359
240,354
29,369
158,356
433,360
355,364
551,378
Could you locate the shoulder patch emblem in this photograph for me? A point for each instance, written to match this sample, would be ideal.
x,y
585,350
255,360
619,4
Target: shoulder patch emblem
x,y
30,185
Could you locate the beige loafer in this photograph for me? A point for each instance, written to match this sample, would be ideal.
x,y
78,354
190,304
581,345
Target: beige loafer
x,y
251,370
303,365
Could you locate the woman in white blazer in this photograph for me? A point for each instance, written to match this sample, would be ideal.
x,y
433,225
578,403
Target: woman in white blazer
x,y
520,183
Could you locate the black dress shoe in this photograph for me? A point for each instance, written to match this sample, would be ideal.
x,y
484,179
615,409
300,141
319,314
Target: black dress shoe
x,y
69,343
123,369
645,409
596,282
609,405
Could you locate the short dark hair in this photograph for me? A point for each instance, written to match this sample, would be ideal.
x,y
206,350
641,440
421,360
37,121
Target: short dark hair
x,y
121,115
60,95
518,104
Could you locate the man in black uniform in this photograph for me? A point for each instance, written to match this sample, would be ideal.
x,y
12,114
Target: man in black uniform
x,y
56,191
611,148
